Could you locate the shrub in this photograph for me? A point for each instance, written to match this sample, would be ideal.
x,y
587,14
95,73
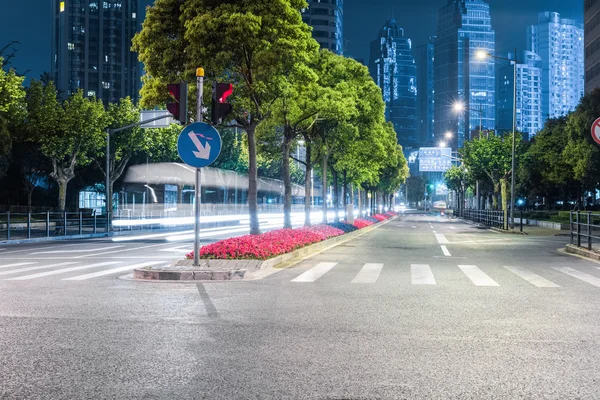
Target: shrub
x,y
343,226
362,223
329,230
380,217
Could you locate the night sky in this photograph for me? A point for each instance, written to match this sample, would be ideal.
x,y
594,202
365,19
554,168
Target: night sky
x,y
28,21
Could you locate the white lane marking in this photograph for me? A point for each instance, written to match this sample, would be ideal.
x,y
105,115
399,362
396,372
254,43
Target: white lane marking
x,y
142,237
451,227
110,271
421,274
441,238
413,226
14,271
445,251
16,265
77,251
368,273
530,277
119,251
61,271
434,231
43,248
491,230
180,249
477,276
315,272
592,280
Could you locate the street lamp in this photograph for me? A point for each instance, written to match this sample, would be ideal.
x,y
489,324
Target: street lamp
x,y
482,55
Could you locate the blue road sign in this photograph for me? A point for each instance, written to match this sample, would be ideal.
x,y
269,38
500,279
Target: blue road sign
x,y
199,144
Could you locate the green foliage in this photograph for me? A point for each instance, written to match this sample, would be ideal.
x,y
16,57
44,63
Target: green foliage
x,y
415,189
12,110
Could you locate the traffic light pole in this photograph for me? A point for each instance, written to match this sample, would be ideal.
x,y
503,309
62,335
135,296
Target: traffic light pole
x,y
200,87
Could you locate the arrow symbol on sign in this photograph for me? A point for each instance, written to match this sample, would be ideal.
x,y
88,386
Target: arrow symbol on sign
x,y
203,151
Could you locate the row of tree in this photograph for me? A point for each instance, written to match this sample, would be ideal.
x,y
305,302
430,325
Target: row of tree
x,y
557,168
286,90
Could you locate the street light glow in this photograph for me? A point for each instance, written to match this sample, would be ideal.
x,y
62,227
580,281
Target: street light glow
x,y
459,106
481,54
449,135
442,144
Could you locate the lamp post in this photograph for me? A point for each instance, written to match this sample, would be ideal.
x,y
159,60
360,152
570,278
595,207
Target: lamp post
x,y
482,55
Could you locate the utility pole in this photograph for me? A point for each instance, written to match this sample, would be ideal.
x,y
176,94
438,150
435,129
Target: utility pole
x,y
514,129
197,191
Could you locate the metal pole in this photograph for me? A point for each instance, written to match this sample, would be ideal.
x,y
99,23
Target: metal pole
x,y
65,223
28,225
8,225
589,230
197,191
47,223
107,183
80,222
521,220
512,175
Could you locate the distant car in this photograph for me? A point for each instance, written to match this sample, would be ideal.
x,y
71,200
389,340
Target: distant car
x,y
440,205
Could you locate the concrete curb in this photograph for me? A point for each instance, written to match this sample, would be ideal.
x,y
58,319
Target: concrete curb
x,y
580,251
514,232
242,269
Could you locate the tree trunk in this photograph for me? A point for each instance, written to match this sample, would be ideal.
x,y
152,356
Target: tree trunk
x,y
324,185
359,202
345,190
307,185
252,181
29,195
336,200
287,181
495,196
62,193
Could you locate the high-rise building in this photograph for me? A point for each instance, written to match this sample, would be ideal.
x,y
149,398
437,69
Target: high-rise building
x,y
91,48
424,57
559,43
592,44
326,18
393,68
464,28
529,95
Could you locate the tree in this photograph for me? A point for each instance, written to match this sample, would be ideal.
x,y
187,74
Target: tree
x,y
250,43
79,126
394,174
415,189
458,179
491,158
12,110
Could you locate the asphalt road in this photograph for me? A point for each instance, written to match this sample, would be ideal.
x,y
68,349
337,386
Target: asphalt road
x,y
420,308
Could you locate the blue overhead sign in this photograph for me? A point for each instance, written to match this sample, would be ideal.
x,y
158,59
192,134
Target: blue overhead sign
x,y
435,159
199,144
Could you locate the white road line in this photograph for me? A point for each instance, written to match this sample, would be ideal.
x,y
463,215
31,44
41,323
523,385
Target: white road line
x,y
177,249
14,271
592,280
120,251
477,276
413,226
421,274
445,251
530,277
441,238
451,227
42,248
61,271
434,231
110,271
77,251
368,273
315,272
16,265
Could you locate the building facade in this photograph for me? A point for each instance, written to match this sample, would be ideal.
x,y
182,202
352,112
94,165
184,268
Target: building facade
x,y
91,42
559,43
464,28
592,44
327,20
529,95
424,57
393,68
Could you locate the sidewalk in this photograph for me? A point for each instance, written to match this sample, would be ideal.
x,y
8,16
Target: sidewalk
x,y
534,231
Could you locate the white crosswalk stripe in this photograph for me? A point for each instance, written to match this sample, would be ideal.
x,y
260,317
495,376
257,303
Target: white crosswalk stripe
x,y
592,280
16,265
111,271
61,271
421,274
477,276
14,271
530,277
368,273
315,272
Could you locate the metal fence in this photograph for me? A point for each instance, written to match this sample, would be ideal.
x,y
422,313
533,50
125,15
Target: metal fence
x,y
14,226
489,218
585,228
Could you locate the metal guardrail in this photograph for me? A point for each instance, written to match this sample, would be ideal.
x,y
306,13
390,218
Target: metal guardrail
x,y
489,218
14,226
586,226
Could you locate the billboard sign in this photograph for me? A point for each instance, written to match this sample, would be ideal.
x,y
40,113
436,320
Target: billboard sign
x,y
441,189
435,159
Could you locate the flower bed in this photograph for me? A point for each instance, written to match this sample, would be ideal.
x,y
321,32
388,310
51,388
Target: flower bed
x,y
380,217
281,241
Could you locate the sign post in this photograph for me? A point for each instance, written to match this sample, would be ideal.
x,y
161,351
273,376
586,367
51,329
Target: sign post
x,y
596,131
198,145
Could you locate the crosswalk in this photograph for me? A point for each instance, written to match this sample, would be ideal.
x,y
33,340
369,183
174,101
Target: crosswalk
x,y
424,274
27,271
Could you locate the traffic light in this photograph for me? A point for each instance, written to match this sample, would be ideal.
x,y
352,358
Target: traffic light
x,y
220,107
178,107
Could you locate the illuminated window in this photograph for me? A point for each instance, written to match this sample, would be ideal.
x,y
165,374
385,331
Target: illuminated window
x,y
70,46
62,6
91,93
106,85
133,15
